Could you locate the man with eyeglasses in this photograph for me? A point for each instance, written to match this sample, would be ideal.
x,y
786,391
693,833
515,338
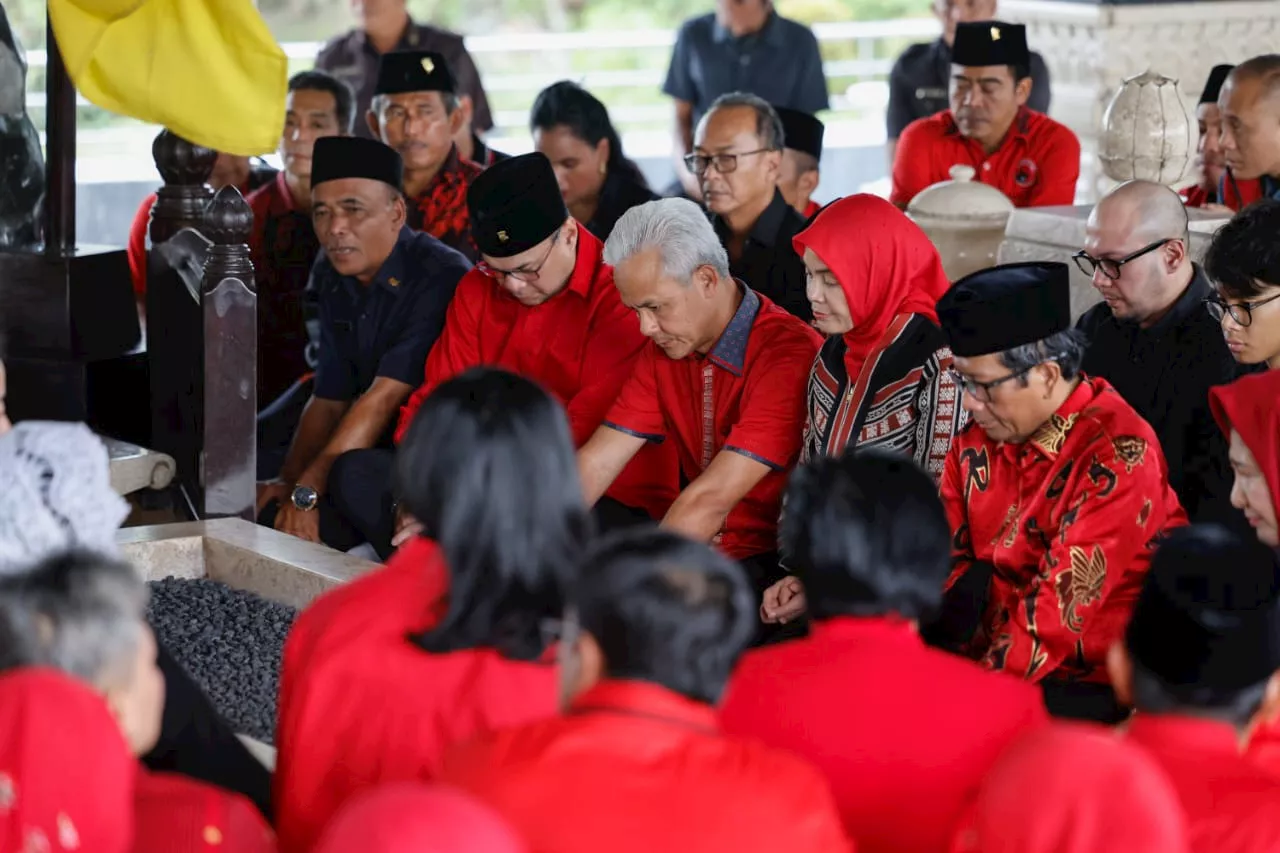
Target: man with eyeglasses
x,y
540,303
1153,340
1055,494
737,158
1243,261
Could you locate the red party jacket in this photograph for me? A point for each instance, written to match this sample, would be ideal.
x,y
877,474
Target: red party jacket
x,y
902,767
176,814
1069,519
633,767
1037,163
361,705
580,345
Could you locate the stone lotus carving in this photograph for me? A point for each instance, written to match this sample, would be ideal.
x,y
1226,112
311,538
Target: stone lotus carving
x,y
964,218
1146,134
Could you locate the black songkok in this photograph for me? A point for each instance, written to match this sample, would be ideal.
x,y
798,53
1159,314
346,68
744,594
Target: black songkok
x,y
337,157
1003,307
1213,86
414,71
1208,615
801,131
515,204
982,43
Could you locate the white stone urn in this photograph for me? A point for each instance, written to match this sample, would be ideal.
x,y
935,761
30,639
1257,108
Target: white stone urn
x,y
1146,133
964,218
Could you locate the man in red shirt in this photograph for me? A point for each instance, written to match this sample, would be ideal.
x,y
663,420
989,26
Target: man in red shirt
x,y
869,538
1250,106
651,634
723,376
542,304
1026,155
415,110
1056,493
1199,662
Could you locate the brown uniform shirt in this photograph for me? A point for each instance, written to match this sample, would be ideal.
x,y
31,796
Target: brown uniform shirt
x,y
352,58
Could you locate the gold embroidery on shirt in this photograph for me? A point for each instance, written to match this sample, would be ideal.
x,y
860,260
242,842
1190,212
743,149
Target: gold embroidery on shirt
x,y
1008,529
1130,450
1081,585
1053,432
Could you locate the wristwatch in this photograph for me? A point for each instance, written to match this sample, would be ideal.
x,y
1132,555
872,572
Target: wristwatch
x,y
305,498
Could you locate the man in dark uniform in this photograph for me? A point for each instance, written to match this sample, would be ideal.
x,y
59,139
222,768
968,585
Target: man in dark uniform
x,y
801,157
738,159
416,111
383,292
918,83
385,26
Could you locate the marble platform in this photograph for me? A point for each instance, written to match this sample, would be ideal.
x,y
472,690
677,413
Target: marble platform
x,y
242,555
135,468
1057,233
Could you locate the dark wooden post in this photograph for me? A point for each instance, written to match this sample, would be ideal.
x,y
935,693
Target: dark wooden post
x,y
229,304
180,203
60,135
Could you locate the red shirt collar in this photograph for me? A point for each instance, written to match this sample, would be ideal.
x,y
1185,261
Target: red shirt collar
x,y
1052,434
587,264
282,201
1181,732
648,700
847,628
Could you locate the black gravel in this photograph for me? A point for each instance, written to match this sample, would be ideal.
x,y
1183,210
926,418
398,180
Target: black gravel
x,y
230,641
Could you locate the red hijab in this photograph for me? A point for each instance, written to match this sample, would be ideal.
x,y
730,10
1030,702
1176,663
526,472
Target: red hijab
x,y
1251,406
415,818
885,264
66,773
1074,789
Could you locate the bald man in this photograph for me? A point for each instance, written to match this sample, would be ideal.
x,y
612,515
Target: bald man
x,y
1250,107
1153,339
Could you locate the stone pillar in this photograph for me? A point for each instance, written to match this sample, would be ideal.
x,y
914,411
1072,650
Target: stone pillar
x,y
1091,47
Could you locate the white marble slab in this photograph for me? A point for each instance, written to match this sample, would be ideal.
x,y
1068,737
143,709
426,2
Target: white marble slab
x,y
135,468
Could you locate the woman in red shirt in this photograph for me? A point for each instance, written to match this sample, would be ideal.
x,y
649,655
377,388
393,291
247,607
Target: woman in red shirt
x,y
446,640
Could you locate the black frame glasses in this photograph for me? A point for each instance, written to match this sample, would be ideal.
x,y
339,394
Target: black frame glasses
x,y
981,391
527,276
724,163
1111,267
1241,312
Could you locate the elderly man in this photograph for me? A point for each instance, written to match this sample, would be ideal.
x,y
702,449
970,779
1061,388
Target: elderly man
x,y
1250,106
1055,493
654,629
1153,340
383,291
738,159
723,377
542,304
415,110
1026,155
798,176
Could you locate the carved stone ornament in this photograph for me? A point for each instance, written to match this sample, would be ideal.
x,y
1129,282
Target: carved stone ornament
x,y
1146,134
964,218
228,219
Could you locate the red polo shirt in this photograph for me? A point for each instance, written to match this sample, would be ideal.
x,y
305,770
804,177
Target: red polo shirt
x,y
747,395
580,345
1232,805
1036,165
636,768
361,705
175,813
901,767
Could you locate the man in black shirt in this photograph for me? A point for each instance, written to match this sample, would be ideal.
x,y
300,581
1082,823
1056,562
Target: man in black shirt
x,y
737,157
918,83
1155,341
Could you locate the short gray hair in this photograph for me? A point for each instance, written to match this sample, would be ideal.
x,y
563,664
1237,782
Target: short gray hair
x,y
1066,349
680,231
768,124
78,612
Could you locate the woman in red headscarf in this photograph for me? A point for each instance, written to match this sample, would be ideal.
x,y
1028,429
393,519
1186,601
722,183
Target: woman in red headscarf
x,y
408,817
882,378
66,773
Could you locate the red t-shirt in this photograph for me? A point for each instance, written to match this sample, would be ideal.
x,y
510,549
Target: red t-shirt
x,y
175,813
361,705
137,247
580,345
747,395
932,710
1036,165
635,768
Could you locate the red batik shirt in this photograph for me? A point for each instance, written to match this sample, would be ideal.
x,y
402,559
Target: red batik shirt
x,y
1037,163
1069,519
747,395
441,209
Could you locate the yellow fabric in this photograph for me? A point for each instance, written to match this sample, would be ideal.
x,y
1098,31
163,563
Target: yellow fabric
x,y
209,70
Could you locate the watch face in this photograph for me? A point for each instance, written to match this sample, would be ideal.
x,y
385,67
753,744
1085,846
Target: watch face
x,y
305,497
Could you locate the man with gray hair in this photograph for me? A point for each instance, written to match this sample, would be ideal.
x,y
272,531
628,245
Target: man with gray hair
x,y
1154,340
723,376
1055,494
737,158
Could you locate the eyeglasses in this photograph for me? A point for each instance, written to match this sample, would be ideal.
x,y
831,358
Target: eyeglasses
x,y
981,391
724,163
1241,312
1111,267
527,275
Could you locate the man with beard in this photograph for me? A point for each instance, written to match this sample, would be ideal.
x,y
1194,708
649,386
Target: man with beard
x,y
1029,157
